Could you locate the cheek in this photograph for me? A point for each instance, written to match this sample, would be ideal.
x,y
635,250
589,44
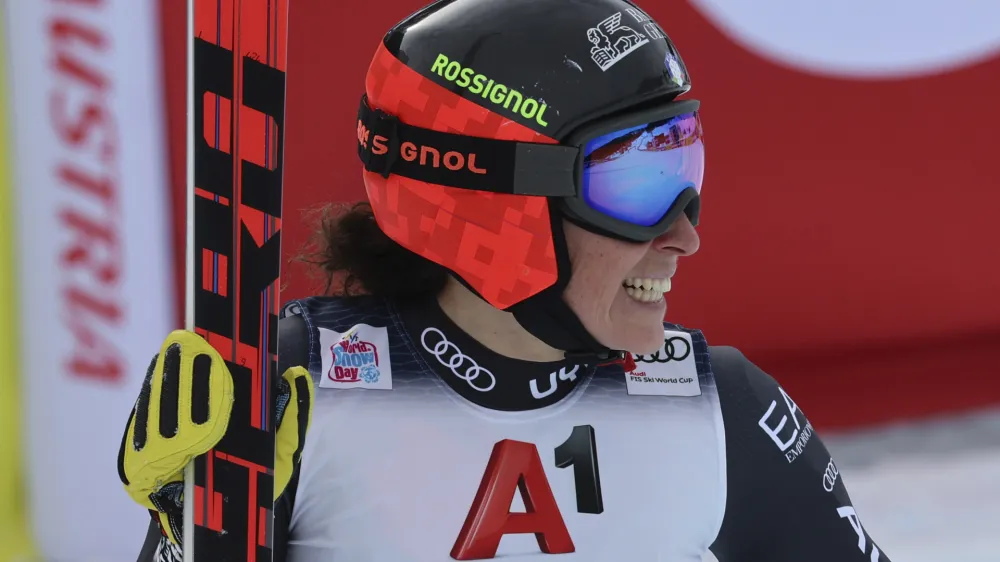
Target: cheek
x,y
596,281
599,266
599,273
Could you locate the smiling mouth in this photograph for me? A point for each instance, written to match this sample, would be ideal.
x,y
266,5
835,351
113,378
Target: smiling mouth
x,y
646,289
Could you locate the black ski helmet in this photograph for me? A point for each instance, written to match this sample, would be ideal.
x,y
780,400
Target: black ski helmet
x,y
512,83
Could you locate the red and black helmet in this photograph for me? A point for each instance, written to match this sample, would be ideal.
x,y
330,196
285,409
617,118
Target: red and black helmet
x,y
484,122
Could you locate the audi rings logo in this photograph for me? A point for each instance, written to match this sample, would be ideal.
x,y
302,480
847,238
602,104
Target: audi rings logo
x,y
830,476
463,366
674,349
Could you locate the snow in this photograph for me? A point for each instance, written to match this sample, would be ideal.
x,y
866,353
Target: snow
x,y
928,491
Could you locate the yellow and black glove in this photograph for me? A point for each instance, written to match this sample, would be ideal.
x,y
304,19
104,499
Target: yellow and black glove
x,y
183,411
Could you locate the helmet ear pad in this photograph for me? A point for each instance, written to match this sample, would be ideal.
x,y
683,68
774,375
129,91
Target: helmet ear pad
x,y
470,234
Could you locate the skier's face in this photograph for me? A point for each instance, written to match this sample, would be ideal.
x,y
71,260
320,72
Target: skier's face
x,y
618,288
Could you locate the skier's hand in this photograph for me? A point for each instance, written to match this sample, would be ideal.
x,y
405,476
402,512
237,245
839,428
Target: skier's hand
x,y
183,411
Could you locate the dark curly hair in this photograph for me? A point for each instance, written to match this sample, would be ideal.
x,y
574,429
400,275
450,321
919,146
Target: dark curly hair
x,y
356,257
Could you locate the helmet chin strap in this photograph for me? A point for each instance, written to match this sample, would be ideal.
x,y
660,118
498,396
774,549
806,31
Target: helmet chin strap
x,y
547,316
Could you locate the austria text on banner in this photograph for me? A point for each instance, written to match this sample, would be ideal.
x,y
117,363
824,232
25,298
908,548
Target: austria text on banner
x,y
96,287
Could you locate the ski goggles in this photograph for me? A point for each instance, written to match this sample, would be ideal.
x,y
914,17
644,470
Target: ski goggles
x,y
629,176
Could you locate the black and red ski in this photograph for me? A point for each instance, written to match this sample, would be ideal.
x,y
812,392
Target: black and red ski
x,y
236,111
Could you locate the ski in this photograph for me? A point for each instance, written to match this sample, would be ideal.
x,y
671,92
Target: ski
x,y
236,106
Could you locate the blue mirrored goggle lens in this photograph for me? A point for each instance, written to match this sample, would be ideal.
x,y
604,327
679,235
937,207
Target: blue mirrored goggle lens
x,y
636,174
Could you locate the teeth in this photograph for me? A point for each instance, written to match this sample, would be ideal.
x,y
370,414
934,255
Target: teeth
x,y
648,284
645,289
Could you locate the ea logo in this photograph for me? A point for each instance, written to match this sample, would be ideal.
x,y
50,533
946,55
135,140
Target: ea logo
x,y
861,38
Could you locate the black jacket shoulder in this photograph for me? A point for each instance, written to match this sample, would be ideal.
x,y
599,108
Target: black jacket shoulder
x,y
786,499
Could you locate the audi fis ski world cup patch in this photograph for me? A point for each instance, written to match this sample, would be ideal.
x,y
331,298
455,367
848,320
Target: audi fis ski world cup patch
x,y
357,358
671,371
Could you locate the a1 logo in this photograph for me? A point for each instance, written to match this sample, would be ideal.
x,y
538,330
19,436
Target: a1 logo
x,y
516,466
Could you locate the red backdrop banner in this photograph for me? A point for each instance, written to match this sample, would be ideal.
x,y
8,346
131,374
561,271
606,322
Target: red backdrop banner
x,y
849,215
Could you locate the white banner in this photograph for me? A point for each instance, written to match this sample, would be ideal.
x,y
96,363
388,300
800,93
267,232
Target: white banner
x,y
94,257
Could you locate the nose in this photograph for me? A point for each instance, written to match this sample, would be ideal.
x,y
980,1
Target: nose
x,y
681,238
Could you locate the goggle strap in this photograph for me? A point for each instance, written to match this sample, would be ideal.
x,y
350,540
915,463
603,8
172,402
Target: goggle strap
x,y
545,169
388,146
